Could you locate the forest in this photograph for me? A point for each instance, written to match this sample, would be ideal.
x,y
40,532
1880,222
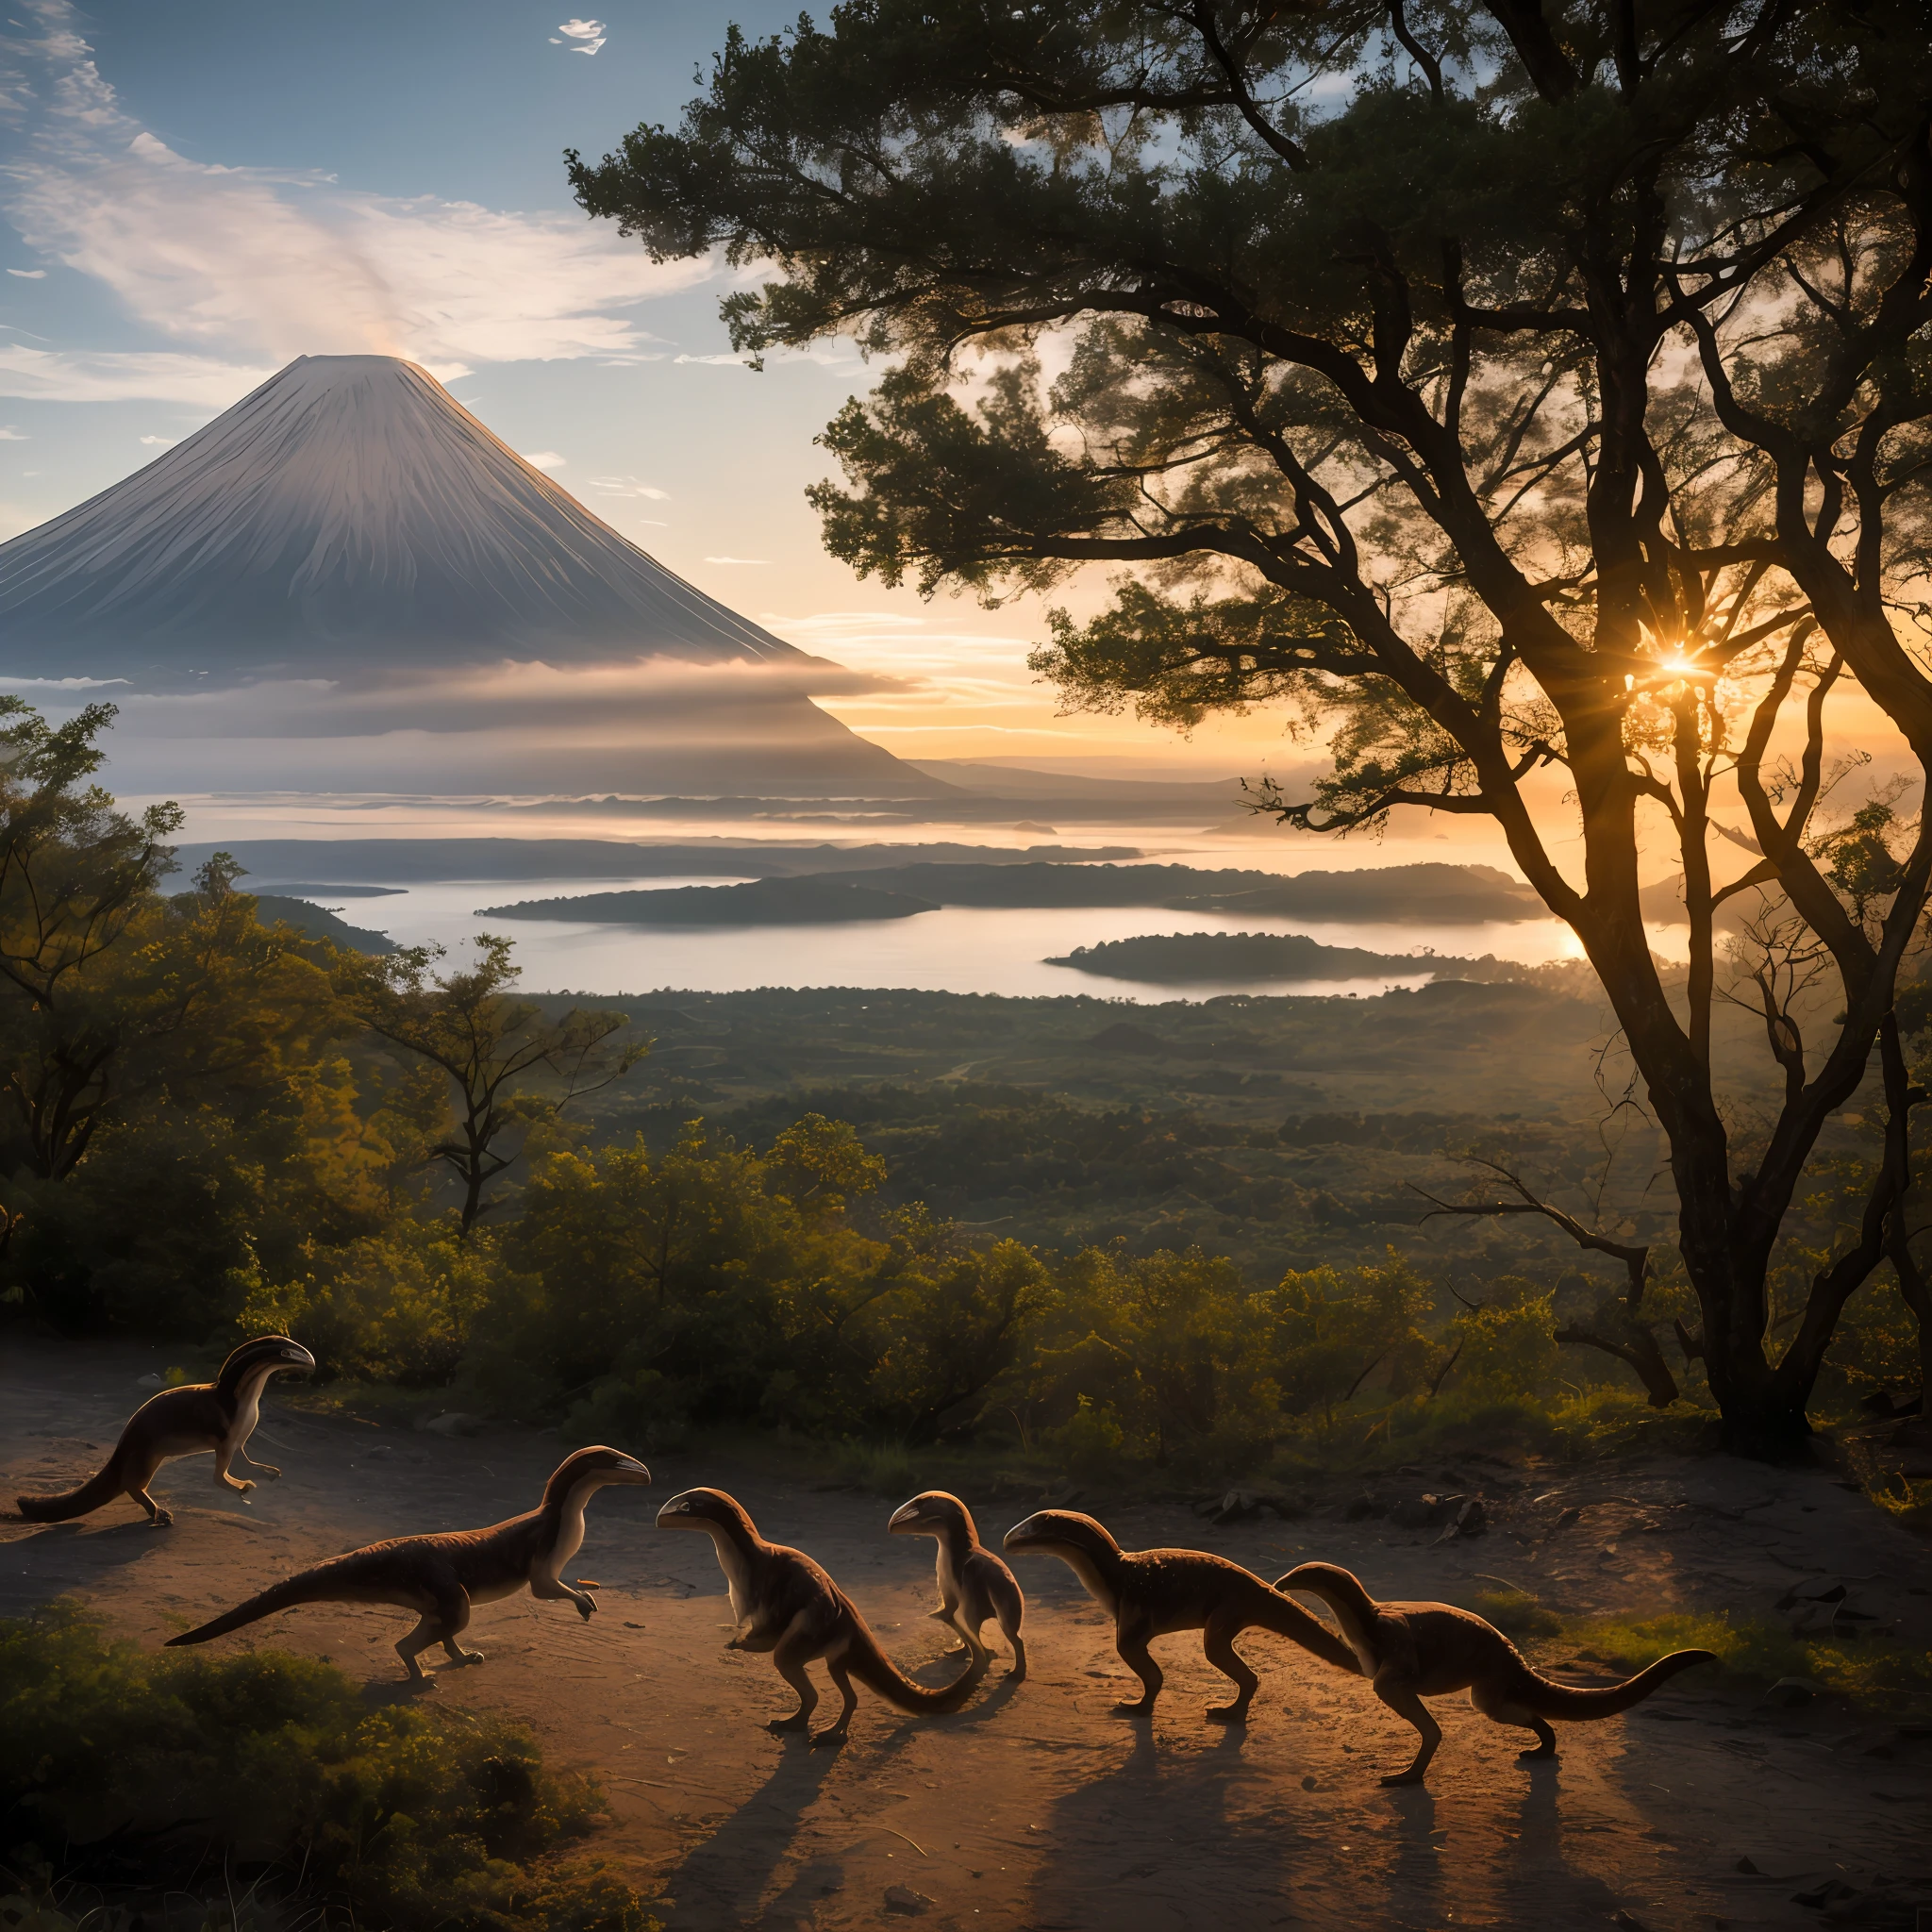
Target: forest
x,y
1197,1239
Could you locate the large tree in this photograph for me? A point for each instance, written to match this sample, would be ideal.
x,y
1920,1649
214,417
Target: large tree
x,y
1531,397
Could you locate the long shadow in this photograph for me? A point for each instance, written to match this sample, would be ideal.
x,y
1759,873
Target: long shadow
x,y
721,1881
1546,1877
60,1557
1127,1851
1414,1873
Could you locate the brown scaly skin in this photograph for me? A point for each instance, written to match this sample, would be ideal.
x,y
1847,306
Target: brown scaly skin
x,y
1413,1651
786,1605
974,1584
440,1577
190,1421
1152,1593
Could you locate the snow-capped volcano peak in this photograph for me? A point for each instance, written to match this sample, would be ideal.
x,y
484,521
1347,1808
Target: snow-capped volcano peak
x,y
347,514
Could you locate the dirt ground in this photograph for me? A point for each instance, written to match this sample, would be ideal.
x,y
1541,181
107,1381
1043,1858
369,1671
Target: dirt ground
x,y
1038,1806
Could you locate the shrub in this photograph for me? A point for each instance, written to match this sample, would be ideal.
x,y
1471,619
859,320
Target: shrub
x,y
397,1307
422,1820
1760,1651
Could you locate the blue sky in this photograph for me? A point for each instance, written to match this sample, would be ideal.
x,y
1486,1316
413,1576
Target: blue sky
x,y
194,191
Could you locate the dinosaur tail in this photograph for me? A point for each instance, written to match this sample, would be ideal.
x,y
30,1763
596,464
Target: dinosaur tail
x,y
1287,1618
310,1588
84,1501
1566,1702
878,1673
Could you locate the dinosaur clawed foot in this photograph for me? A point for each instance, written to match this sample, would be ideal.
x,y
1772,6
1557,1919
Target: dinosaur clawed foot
x,y
1413,1775
1226,1714
164,1518
587,1607
1135,1706
797,1722
466,1656
832,1734
1536,1752
269,1469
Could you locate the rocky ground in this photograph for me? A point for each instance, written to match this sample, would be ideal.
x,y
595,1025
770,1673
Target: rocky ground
x,y
1038,1806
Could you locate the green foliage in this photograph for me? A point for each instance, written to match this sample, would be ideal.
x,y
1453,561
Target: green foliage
x,y
419,1819
399,1305
1515,1612
508,1065
1760,1651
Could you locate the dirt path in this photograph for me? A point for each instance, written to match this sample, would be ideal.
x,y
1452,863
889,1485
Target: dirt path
x,y
1039,1808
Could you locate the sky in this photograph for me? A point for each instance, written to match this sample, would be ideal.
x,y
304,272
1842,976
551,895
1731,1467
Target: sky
x,y
193,193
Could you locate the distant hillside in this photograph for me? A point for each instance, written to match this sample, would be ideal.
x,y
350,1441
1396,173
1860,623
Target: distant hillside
x,y
1427,894
278,862
1051,885
763,902
321,924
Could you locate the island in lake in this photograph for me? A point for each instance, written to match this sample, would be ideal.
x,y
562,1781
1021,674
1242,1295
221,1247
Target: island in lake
x,y
1394,894
762,902
1183,959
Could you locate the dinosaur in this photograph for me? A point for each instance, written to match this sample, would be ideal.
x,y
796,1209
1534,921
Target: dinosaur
x,y
974,1585
219,1416
786,1605
1152,1593
1413,1651
441,1576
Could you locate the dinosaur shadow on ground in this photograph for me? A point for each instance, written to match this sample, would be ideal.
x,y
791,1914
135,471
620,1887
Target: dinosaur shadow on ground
x,y
1123,1848
722,1881
55,1558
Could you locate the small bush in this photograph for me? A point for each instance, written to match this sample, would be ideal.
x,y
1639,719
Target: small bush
x,y
1760,1651
420,1821
1515,1613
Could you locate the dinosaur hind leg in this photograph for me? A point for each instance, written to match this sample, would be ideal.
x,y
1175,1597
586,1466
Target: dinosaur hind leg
x,y
834,1733
1406,1705
790,1654
446,1620
1502,1709
1216,1643
138,1476
1134,1654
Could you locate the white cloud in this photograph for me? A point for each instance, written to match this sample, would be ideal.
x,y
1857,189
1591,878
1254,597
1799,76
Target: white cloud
x,y
736,361
589,34
161,442
49,375
543,459
627,485
761,561
29,275
265,262
9,434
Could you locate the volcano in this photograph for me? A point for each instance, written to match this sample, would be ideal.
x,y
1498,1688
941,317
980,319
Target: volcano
x,y
348,528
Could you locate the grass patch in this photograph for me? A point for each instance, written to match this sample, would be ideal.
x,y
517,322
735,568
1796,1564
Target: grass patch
x,y
1758,1650
1515,1612
136,1771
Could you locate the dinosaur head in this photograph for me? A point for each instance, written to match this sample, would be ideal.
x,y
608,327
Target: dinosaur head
x,y
706,1510
271,1354
597,1467
1062,1533
933,1513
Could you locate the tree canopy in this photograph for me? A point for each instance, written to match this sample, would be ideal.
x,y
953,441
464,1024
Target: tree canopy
x,y
1531,399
